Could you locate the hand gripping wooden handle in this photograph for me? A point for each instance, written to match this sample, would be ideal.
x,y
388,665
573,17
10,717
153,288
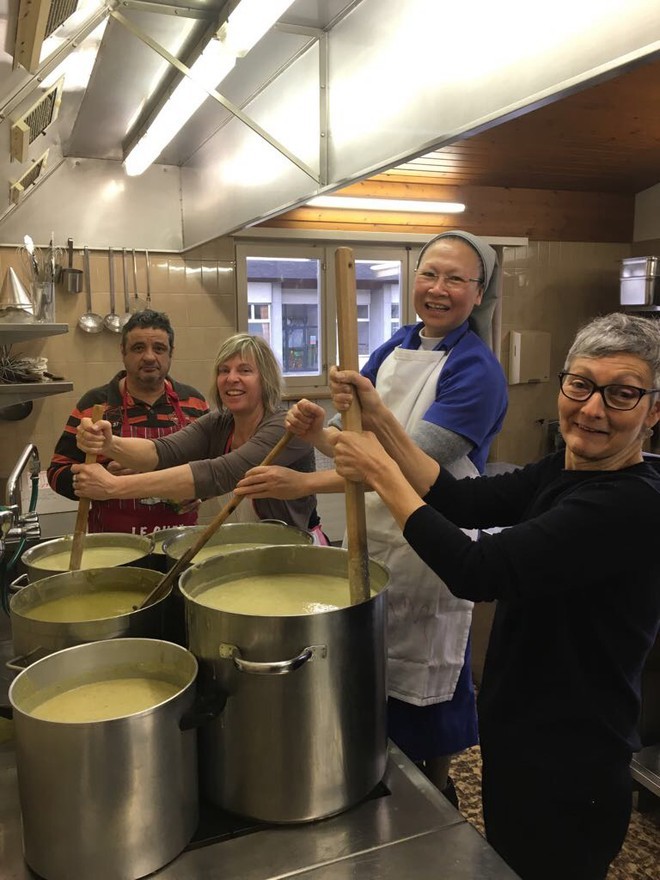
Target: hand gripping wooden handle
x,y
164,583
80,529
356,528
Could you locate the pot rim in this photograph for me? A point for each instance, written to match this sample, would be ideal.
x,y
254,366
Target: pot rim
x,y
314,565
107,646
52,583
94,539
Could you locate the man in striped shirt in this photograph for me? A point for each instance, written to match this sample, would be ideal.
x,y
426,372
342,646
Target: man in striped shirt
x,y
142,400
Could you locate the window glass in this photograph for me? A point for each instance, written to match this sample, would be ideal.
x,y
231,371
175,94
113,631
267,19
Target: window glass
x,y
286,293
283,303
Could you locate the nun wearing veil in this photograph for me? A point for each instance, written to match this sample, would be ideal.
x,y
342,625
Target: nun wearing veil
x,y
441,380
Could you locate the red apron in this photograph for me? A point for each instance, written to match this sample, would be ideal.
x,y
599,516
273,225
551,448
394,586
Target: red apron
x,y
144,515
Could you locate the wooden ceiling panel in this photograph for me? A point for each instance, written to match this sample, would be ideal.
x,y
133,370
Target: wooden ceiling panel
x,y
605,138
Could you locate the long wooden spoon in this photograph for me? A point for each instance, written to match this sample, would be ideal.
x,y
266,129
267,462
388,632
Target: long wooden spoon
x,y
356,528
164,583
80,528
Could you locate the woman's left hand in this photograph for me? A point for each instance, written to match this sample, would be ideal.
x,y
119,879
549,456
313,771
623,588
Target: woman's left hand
x,y
271,481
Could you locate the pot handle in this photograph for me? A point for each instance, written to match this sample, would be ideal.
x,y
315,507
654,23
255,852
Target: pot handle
x,y
20,582
18,664
274,667
204,709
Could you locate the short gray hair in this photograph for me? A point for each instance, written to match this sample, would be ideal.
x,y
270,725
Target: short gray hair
x,y
617,333
256,349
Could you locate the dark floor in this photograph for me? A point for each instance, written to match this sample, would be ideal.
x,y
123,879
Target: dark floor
x,y
638,860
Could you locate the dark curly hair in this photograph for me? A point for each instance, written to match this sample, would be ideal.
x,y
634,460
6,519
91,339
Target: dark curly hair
x,y
147,319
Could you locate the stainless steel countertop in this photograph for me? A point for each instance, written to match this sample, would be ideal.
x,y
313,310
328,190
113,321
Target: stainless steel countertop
x,y
411,832
645,768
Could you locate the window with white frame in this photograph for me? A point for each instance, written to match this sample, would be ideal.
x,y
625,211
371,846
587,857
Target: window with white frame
x,y
287,295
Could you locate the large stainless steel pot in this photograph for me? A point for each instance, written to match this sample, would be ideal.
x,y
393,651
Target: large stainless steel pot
x,y
303,732
35,560
230,534
113,799
34,639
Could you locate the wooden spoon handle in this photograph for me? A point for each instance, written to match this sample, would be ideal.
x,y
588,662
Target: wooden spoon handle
x,y
80,528
164,584
356,528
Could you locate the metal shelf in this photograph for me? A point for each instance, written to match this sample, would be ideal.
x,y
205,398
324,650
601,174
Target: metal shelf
x,y
22,392
11,333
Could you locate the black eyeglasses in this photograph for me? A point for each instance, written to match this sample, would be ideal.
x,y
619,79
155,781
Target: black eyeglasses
x,y
622,397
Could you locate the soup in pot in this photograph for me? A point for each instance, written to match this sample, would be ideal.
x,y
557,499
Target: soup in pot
x,y
86,606
92,557
278,594
216,549
100,700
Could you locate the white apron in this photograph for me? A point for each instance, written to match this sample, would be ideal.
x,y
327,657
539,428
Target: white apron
x,y
427,626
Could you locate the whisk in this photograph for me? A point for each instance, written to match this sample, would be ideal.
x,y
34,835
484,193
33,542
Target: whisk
x,y
41,265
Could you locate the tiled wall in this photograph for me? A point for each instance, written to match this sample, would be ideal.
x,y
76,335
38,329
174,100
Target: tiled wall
x,y
553,287
198,293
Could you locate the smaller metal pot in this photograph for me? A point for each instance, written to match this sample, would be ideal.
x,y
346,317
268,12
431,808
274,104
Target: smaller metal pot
x,y
34,639
35,560
266,533
157,558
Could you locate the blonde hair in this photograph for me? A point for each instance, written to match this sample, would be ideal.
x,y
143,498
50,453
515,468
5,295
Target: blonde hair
x,y
256,349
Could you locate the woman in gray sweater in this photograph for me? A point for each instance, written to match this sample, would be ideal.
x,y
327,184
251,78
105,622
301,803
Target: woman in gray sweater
x,y
208,457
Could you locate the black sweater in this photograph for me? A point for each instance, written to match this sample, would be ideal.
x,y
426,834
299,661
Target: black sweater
x,y
576,572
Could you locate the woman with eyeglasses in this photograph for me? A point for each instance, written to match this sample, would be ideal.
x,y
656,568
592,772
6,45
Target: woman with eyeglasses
x,y
443,383
576,575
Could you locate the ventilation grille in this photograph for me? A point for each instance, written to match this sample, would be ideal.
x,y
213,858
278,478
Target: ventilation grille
x,y
18,188
35,122
37,20
59,11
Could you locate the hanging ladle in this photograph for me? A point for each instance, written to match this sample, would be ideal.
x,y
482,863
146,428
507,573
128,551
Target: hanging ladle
x,y
125,318
139,305
112,321
90,322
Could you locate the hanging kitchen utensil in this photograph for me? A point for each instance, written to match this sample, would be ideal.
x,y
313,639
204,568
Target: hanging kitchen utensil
x,y
139,305
127,299
90,322
112,321
356,529
146,262
163,585
80,528
72,278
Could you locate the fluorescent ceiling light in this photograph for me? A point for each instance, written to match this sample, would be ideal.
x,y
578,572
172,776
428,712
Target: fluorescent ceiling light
x,y
366,204
210,69
242,30
249,22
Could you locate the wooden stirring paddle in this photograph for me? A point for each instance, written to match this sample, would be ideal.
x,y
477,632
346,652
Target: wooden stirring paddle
x,y
164,584
356,528
80,528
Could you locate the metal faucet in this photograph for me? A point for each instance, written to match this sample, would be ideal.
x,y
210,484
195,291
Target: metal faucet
x,y
16,525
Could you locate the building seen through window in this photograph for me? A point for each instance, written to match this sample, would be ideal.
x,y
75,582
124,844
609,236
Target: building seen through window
x,y
285,307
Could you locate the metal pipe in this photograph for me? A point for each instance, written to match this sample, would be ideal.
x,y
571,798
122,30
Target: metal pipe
x,y
13,490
